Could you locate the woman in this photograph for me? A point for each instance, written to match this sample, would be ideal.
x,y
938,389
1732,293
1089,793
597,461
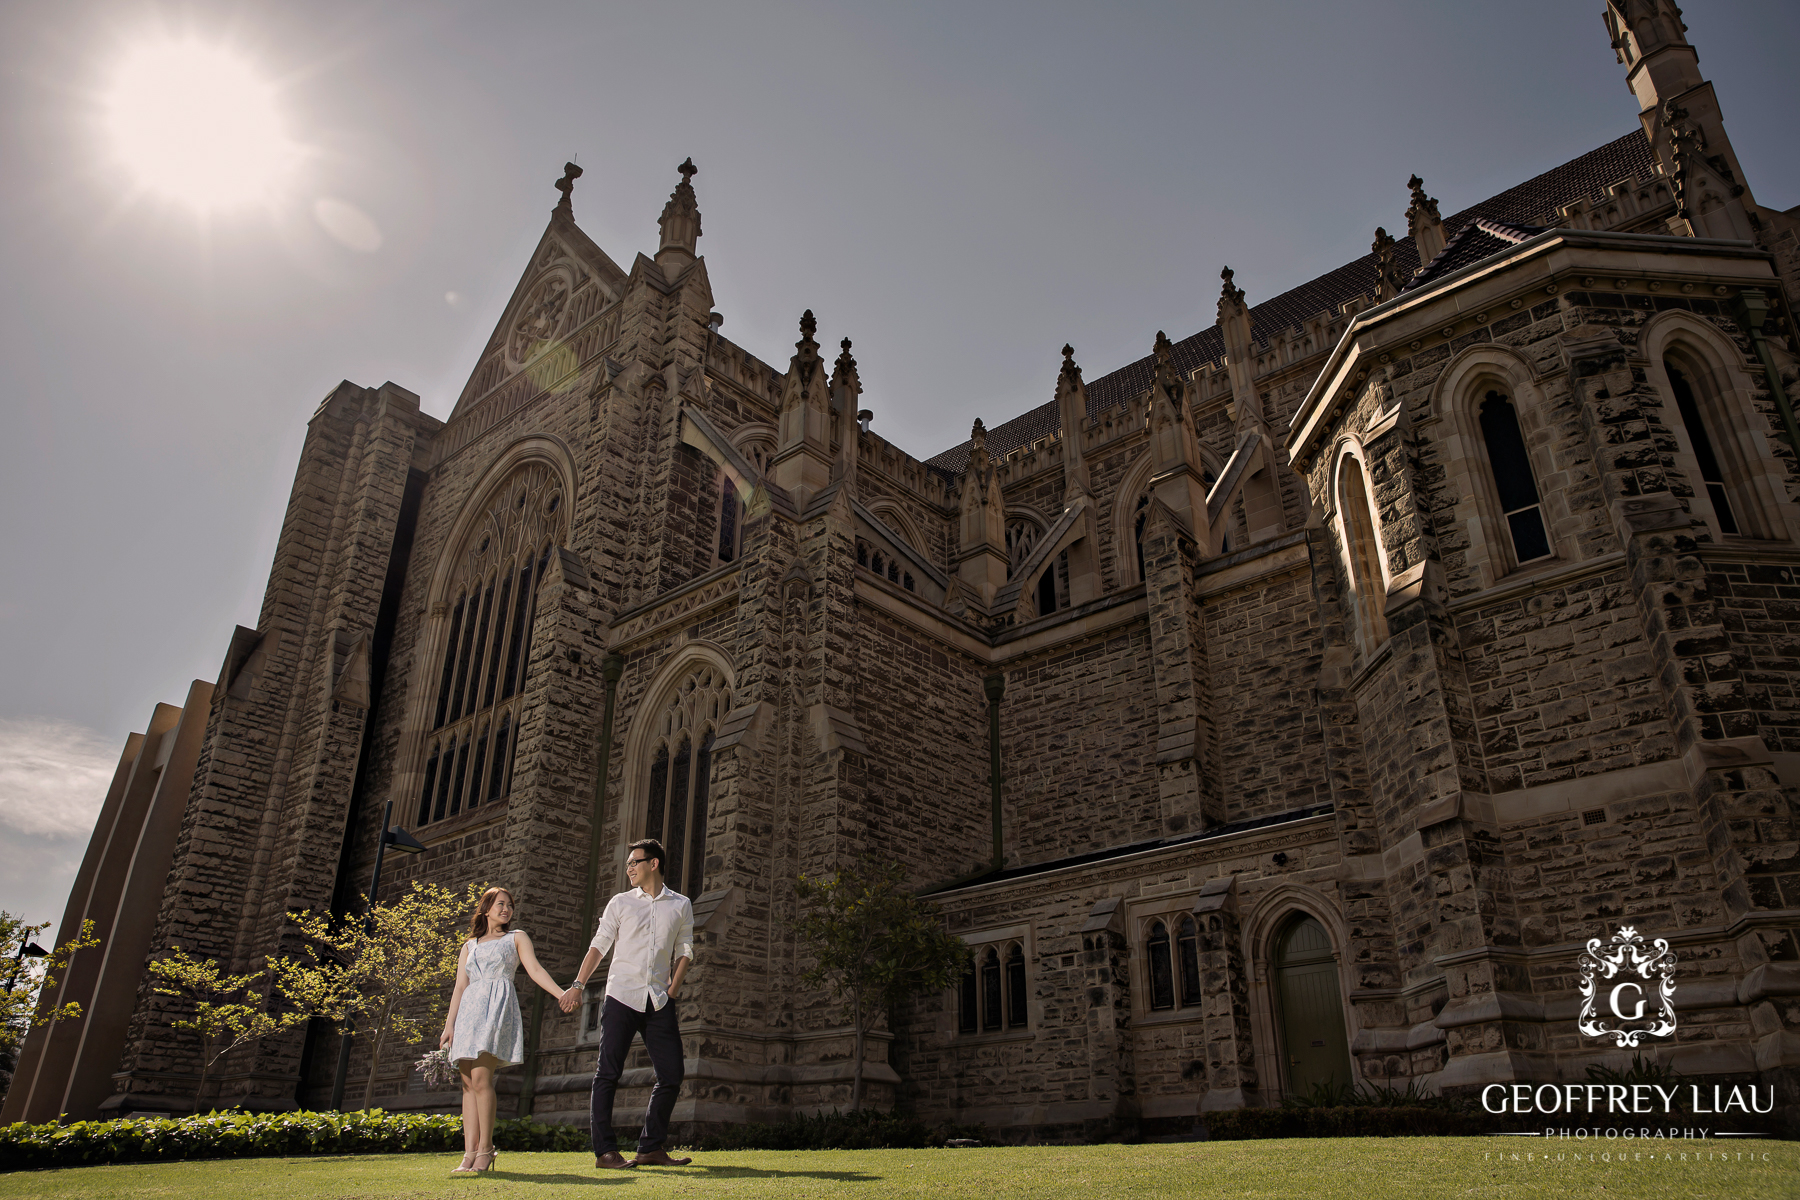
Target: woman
x,y
482,1028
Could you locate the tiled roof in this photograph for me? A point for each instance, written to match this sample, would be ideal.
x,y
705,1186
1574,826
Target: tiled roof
x,y
1533,202
1099,856
1475,241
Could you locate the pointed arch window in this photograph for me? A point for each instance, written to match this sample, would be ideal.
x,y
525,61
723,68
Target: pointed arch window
x,y
1514,482
731,521
681,753
1162,977
1711,474
968,1018
1368,585
486,646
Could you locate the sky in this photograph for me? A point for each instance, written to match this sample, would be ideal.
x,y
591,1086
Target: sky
x,y
958,187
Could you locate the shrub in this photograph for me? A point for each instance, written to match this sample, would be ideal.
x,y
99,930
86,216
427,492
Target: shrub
x,y
862,1129
255,1135
1361,1120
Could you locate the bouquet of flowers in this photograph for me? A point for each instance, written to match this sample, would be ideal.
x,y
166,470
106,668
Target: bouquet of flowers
x,y
436,1068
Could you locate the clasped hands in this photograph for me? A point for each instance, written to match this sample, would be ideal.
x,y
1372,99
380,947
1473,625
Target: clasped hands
x,y
571,996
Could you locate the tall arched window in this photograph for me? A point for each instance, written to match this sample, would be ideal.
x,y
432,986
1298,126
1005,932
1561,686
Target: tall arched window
x,y
1712,476
990,989
680,773
492,601
1514,481
1368,587
731,520
1015,987
1187,943
1162,977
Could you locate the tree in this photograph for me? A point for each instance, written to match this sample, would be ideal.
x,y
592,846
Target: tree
x,y
220,1021
385,977
27,979
874,945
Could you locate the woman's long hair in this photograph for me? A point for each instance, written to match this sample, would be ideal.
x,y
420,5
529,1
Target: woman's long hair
x,y
478,927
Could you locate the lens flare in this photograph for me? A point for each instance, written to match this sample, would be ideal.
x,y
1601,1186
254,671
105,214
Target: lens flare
x,y
198,124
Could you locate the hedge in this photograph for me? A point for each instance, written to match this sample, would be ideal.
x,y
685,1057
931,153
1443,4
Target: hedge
x,y
1346,1121
255,1135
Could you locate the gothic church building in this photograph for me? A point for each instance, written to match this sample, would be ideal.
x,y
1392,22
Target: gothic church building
x,y
1290,705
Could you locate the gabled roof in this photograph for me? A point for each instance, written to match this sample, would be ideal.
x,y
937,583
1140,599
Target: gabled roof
x,y
1517,209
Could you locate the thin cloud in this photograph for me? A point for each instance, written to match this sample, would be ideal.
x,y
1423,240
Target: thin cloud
x,y
53,776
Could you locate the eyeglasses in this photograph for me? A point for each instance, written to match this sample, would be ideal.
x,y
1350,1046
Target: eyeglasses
x,y
635,862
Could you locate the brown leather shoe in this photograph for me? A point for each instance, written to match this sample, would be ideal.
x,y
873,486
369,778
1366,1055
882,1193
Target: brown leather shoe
x,y
658,1158
612,1159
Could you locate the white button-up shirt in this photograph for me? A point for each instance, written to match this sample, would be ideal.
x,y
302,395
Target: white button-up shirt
x,y
647,935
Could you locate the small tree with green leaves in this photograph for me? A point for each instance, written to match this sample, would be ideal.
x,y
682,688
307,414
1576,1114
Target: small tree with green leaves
x,y
383,977
223,1023
28,978
874,945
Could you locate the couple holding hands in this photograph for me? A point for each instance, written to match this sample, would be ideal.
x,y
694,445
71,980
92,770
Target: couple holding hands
x,y
650,932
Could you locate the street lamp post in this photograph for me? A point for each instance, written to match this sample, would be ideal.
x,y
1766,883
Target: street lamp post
x,y
27,949
403,843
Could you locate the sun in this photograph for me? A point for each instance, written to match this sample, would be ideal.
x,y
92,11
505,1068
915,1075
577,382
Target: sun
x,y
198,124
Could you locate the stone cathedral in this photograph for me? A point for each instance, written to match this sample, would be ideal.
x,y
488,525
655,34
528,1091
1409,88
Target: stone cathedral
x,y
1290,705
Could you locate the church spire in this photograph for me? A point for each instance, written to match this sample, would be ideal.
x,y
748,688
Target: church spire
x,y
1681,118
680,220
1423,222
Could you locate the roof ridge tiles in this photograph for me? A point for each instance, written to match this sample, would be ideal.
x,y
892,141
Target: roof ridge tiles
x,y
1518,207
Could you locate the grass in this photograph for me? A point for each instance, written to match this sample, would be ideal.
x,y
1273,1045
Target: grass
x,y
1354,1169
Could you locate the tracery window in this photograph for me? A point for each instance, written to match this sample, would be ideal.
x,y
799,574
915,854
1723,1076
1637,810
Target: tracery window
x,y
492,599
992,994
1174,976
680,774
1022,534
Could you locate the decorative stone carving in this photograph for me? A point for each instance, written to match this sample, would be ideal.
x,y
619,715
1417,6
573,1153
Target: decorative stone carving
x,y
539,318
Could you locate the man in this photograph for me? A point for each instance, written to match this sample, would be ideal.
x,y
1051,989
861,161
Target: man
x,y
650,931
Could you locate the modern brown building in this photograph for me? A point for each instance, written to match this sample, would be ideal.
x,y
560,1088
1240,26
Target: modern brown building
x,y
1353,662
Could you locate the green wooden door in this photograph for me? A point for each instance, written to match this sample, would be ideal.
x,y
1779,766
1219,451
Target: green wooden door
x,y
1312,1012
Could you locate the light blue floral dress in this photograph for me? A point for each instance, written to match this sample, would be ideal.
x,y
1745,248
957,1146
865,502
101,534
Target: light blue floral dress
x,y
489,1032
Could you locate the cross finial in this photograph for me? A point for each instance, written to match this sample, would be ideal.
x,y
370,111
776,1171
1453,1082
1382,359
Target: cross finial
x,y
808,325
1068,353
566,185
688,170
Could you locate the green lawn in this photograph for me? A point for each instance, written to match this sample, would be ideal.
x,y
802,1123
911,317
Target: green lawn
x,y
1356,1169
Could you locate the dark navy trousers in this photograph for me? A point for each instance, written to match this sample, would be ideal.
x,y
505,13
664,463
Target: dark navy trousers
x,y
661,1030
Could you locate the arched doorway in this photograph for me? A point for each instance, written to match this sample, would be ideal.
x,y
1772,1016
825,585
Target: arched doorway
x,y
1315,1050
